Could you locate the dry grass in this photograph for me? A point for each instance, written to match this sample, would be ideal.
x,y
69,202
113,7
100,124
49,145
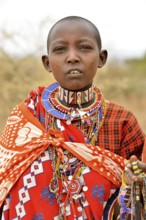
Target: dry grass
x,y
124,85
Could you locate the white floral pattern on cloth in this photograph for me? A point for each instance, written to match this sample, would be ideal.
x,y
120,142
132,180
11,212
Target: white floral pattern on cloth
x,y
106,163
17,142
24,139
26,133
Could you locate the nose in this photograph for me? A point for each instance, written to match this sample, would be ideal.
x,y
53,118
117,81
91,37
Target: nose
x,y
72,57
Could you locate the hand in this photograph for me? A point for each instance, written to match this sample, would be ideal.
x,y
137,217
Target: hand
x,y
134,169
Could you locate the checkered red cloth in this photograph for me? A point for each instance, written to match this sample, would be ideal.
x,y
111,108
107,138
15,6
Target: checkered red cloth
x,y
120,132
144,152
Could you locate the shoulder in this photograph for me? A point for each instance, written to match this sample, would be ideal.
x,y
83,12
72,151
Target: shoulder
x,y
117,111
121,117
33,99
36,92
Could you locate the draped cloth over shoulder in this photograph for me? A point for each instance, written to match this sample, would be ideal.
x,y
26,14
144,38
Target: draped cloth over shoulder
x,y
144,152
24,139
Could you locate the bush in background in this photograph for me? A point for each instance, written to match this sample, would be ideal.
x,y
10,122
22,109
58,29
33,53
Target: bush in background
x,y
123,83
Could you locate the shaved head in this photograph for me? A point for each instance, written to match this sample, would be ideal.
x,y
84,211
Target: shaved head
x,y
76,19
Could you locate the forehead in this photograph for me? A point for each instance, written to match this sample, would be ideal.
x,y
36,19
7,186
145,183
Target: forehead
x,y
73,28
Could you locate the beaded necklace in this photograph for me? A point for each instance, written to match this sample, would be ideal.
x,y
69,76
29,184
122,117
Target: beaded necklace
x,y
87,119
132,198
76,97
83,117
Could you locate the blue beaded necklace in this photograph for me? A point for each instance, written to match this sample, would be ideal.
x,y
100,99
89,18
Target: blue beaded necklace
x,y
53,105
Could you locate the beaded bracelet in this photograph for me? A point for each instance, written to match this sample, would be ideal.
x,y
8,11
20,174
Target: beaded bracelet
x,y
132,198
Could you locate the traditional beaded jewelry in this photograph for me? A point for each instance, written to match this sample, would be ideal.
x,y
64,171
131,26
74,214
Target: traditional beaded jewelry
x,y
89,120
144,195
53,106
91,116
70,172
54,184
132,199
75,98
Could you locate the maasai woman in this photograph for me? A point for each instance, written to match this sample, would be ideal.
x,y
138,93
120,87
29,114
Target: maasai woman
x,y
64,148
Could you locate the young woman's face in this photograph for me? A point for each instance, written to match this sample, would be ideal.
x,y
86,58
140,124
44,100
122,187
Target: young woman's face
x,y
73,55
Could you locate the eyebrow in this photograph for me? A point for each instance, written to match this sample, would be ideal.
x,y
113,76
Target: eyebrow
x,y
62,41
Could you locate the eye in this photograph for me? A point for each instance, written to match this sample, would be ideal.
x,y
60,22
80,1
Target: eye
x,y
86,47
59,49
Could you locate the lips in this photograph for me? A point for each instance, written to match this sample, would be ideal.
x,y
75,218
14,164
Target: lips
x,y
74,72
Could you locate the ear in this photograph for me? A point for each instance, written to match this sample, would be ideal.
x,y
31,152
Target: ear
x,y
102,58
45,61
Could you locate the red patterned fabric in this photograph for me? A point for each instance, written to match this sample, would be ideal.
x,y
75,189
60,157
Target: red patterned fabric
x,y
31,199
24,139
120,133
144,152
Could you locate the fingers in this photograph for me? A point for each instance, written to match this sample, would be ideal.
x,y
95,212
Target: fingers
x,y
129,176
142,166
133,158
134,169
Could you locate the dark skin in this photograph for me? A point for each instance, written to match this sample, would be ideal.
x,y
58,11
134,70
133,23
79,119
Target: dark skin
x,y
129,175
73,46
74,57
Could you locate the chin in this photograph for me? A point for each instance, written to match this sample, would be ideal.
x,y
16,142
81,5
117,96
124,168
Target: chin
x,y
77,87
73,87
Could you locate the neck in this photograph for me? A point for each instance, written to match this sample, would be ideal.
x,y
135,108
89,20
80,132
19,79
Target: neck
x,y
82,98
